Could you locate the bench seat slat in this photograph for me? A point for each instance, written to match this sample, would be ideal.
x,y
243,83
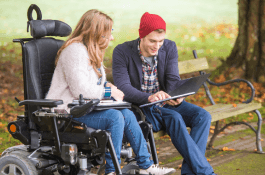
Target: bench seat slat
x,y
189,66
222,111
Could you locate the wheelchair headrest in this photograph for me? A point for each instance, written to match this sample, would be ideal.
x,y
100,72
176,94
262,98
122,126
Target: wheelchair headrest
x,y
41,28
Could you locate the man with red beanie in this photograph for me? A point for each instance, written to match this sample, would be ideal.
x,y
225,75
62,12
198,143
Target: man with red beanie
x,y
146,69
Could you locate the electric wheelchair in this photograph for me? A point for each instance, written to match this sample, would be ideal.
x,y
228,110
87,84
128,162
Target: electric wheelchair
x,y
54,143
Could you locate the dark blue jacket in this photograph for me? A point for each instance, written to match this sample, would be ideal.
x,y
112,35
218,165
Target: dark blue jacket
x,y
127,70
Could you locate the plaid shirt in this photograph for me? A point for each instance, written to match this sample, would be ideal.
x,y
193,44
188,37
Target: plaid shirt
x,y
150,82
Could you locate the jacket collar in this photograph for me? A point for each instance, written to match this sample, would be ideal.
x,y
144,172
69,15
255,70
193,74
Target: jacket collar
x,y
160,64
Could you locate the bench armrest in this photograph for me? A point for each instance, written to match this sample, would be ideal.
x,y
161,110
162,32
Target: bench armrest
x,y
233,81
50,103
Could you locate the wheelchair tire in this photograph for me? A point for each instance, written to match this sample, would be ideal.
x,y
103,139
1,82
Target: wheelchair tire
x,y
17,164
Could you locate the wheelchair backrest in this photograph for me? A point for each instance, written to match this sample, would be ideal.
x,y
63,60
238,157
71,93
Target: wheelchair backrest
x,y
38,56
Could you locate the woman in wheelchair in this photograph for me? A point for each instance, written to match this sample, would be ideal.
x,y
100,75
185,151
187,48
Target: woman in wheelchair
x,y
79,70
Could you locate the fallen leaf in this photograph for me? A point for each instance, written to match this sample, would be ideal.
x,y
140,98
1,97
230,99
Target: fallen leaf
x,y
179,166
234,105
227,149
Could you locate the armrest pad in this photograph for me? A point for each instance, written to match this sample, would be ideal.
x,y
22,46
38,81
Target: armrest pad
x,y
42,102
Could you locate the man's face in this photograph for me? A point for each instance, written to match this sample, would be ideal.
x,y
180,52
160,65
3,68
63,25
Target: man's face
x,y
151,43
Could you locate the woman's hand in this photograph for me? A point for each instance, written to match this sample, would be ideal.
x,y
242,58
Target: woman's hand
x,y
117,94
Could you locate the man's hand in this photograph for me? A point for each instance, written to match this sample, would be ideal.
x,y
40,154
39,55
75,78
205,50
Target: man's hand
x,y
161,95
175,102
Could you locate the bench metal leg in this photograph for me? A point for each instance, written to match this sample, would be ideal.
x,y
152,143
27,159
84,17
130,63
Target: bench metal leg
x,y
216,132
257,132
258,137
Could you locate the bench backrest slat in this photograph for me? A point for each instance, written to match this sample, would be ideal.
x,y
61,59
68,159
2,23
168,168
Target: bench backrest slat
x,y
193,65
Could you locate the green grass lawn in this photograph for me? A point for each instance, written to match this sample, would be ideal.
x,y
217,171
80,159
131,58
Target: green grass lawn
x,y
125,13
208,26
251,164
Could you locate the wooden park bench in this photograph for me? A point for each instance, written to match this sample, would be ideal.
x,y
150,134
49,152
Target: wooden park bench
x,y
222,111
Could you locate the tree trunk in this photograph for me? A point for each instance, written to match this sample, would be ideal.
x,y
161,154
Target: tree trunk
x,y
249,48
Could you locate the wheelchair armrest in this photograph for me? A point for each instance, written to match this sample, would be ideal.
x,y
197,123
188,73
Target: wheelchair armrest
x,y
139,111
50,103
78,111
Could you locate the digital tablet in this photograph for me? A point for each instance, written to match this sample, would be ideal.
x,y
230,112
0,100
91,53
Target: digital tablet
x,y
184,88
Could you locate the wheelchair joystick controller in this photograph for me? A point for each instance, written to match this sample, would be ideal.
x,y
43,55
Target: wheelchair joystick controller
x,y
81,100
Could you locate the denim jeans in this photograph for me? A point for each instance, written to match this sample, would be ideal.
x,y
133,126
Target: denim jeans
x,y
118,122
192,147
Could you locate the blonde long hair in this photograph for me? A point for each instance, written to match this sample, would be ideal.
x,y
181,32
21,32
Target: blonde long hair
x,y
93,30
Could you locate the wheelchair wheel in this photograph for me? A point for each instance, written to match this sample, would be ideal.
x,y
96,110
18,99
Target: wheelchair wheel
x,y
131,168
17,164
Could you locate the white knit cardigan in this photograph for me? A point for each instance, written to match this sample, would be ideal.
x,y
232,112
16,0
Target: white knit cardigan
x,y
75,75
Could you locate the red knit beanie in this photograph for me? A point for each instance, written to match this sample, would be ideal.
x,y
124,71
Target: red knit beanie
x,y
150,22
